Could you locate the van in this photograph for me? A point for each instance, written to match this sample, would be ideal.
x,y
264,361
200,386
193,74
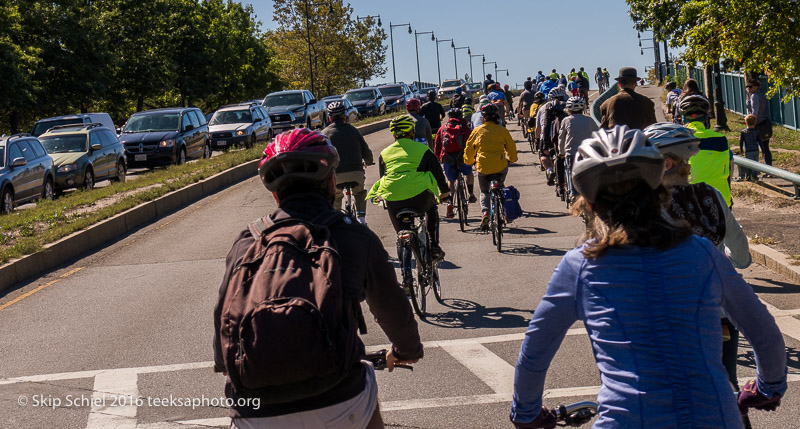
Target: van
x,y
43,125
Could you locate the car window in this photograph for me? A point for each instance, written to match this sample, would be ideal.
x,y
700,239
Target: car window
x,y
14,152
283,100
152,122
263,112
109,138
256,114
27,151
2,157
200,117
392,91
190,119
64,143
94,139
231,117
37,148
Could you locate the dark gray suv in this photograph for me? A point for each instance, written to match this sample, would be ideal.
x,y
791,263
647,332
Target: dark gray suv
x,y
26,172
165,136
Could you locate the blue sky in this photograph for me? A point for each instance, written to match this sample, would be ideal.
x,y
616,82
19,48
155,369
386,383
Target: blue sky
x,y
522,36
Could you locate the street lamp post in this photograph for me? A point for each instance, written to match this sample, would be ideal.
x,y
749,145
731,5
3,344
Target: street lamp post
x,y
308,35
454,56
391,40
471,56
438,66
656,53
499,70
488,62
380,24
416,45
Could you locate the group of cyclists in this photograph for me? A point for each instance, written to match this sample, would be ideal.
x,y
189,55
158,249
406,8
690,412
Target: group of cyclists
x,y
661,337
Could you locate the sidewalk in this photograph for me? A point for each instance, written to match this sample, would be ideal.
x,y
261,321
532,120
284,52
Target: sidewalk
x,y
653,92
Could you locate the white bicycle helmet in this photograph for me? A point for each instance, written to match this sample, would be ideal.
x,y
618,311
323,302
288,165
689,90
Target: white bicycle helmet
x,y
674,139
557,93
614,156
575,104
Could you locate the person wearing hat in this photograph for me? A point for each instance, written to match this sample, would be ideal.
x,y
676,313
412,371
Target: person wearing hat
x,y
487,82
628,107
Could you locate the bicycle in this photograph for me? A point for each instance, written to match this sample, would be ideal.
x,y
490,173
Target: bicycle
x,y
348,201
461,200
416,243
497,216
378,360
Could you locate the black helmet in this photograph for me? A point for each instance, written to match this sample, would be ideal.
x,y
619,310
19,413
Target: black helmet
x,y
455,112
538,97
432,95
468,100
490,112
694,107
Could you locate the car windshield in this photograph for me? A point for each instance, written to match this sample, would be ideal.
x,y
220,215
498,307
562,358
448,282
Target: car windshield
x,y
283,100
360,95
231,117
43,126
152,122
64,144
392,91
474,86
451,84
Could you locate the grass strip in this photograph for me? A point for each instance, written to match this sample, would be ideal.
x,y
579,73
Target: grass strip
x,y
27,231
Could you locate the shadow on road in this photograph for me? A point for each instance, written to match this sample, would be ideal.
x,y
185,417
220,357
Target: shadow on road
x,y
544,214
531,250
784,287
748,358
465,314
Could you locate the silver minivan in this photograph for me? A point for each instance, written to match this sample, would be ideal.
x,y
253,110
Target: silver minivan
x,y
43,125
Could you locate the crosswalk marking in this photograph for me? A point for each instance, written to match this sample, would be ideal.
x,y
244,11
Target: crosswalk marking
x,y
112,400
491,369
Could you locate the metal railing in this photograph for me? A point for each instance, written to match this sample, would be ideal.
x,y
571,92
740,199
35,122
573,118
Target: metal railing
x,y
768,169
610,92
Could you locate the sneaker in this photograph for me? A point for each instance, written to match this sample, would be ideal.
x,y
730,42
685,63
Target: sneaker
x,y
472,199
485,222
437,254
450,212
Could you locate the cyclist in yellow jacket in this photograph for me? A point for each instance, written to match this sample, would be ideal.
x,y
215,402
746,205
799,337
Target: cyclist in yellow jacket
x,y
490,148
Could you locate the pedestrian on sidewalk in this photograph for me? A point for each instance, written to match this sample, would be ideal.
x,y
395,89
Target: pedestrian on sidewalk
x,y
749,140
628,107
757,105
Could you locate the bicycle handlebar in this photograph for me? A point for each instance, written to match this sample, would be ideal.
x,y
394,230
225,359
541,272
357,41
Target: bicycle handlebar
x,y
378,360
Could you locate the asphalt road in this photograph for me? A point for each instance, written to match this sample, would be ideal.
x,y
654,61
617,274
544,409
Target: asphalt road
x,y
134,320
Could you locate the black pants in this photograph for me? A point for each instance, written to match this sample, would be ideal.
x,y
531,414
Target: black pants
x,y
424,202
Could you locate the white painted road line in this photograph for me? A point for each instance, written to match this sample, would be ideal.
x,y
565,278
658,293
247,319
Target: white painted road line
x,y
490,368
113,400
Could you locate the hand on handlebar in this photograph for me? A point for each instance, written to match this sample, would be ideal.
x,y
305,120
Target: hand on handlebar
x,y
445,196
392,360
545,420
750,397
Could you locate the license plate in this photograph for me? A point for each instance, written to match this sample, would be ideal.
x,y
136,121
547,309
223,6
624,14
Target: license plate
x,y
140,157
221,142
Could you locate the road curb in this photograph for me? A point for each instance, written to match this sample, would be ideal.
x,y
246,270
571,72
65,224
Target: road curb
x,y
106,231
775,261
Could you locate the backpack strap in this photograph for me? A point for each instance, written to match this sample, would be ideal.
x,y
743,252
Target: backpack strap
x,y
259,226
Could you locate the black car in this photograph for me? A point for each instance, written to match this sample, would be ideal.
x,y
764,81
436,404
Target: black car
x,y
368,100
26,172
423,93
165,136
396,95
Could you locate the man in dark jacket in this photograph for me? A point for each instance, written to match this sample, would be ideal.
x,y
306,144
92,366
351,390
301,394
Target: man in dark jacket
x,y
628,107
487,82
366,273
433,111
353,155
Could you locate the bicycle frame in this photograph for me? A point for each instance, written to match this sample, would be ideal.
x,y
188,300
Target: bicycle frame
x,y
414,243
349,202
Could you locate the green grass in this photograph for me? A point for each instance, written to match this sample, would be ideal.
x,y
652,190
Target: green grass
x,y
782,138
27,231
373,119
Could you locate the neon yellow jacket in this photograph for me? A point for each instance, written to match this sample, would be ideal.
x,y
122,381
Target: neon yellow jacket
x,y
712,164
488,147
402,178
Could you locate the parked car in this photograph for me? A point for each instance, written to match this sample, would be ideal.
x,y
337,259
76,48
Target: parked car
x,y
423,93
368,100
84,154
475,90
244,123
43,125
350,111
26,172
414,90
165,136
396,95
291,109
448,87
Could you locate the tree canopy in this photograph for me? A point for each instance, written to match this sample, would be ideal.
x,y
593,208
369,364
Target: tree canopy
x,y
755,36
68,56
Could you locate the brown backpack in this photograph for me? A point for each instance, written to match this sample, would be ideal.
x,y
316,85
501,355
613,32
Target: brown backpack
x,y
282,332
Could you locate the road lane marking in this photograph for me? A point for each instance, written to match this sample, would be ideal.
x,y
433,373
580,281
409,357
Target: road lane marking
x,y
46,285
113,397
491,369
94,373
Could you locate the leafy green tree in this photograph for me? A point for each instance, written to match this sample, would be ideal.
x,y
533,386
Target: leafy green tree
x,y
18,61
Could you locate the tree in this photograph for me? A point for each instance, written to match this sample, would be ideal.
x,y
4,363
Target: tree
x,y
343,52
749,35
19,60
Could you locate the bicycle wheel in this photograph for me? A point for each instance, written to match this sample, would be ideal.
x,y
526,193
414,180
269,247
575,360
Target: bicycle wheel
x,y
436,285
418,287
460,203
498,222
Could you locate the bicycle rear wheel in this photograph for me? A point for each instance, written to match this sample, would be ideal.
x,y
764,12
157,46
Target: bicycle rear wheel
x,y
418,290
461,202
436,285
498,223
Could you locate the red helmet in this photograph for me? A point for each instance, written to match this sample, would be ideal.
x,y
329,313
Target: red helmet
x,y
297,154
505,86
413,105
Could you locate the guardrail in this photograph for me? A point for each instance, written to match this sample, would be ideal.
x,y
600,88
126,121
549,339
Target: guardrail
x,y
768,169
610,92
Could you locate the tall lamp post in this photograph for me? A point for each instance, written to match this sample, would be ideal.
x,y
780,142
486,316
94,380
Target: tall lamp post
x,y
380,24
471,56
455,60
488,62
438,65
308,35
656,53
499,70
416,45
391,40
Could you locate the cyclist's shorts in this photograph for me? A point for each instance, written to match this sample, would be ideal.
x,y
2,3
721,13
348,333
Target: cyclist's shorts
x,y
451,170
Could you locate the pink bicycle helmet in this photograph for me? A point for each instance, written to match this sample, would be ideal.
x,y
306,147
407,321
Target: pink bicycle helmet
x,y
297,154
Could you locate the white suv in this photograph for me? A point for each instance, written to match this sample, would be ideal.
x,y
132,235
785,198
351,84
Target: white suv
x,y
448,87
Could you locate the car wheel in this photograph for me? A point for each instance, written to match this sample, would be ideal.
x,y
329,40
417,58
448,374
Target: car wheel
x,y
181,156
122,172
48,189
7,202
88,179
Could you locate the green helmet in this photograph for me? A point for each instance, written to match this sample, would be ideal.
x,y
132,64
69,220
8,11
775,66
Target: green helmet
x,y
401,125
